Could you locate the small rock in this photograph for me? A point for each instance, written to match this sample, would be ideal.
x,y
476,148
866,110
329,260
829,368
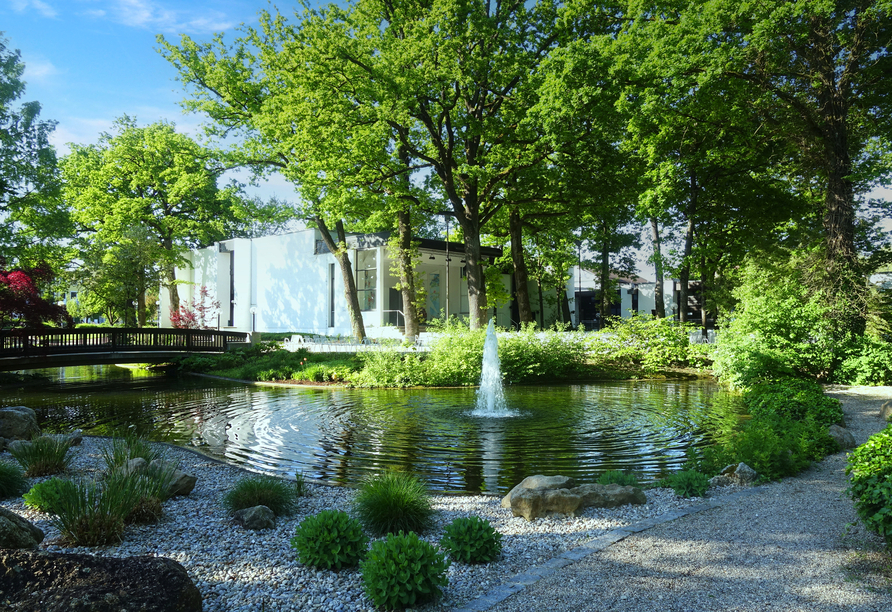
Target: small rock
x,y
179,482
16,532
538,482
258,517
18,423
886,411
843,437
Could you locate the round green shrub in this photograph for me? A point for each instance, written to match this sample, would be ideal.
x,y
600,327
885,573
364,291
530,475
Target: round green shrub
x,y
870,470
471,540
276,494
45,496
393,501
624,479
688,483
403,570
12,480
330,540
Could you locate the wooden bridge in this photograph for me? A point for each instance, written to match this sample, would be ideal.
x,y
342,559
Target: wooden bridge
x,y
48,348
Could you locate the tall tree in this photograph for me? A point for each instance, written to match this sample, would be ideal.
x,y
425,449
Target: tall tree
x,y
156,179
31,215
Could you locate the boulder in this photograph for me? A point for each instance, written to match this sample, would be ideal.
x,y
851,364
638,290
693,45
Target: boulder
x,y
739,474
843,437
18,423
534,503
59,582
538,482
16,532
886,411
258,517
179,483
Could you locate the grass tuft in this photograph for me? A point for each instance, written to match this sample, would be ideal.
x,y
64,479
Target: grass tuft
x,y
393,502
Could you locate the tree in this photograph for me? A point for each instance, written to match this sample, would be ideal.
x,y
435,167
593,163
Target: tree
x,y
816,75
160,181
20,299
31,217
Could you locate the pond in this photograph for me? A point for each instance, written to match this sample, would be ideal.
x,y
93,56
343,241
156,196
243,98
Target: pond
x,y
343,435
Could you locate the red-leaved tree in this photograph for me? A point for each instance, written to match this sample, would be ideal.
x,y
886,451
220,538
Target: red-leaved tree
x,y
200,315
20,301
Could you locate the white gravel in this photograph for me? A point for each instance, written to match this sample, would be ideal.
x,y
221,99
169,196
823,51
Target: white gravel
x,y
778,549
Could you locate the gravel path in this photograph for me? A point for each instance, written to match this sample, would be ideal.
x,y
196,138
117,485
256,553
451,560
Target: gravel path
x,y
785,547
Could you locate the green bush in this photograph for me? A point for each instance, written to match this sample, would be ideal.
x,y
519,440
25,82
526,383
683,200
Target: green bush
x,y
869,362
625,479
276,494
393,501
471,540
403,571
530,355
330,540
687,483
793,399
12,480
43,456
45,496
870,470
642,341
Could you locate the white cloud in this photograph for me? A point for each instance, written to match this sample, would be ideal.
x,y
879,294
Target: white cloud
x,y
78,130
39,70
154,15
20,6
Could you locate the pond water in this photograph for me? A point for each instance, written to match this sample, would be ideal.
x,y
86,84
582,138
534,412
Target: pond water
x,y
344,435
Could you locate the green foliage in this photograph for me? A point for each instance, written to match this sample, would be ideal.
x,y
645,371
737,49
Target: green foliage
x,y
330,539
262,364
12,480
471,540
390,368
625,479
794,399
403,571
530,355
687,483
276,494
869,362
145,490
119,451
45,496
393,501
90,513
870,470
641,340
43,456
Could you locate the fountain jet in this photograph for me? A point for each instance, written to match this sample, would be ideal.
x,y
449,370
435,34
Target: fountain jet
x,y
490,397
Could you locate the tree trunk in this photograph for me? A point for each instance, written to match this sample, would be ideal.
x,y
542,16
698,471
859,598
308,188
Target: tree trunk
x,y
521,274
339,250
606,297
141,298
407,274
659,300
470,223
563,303
170,277
541,304
684,275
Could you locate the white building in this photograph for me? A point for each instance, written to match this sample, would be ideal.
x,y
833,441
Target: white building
x,y
292,283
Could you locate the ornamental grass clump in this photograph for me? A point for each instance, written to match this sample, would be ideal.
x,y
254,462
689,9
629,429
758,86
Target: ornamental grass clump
x,y
402,571
121,451
42,456
330,539
393,501
471,540
624,479
92,513
277,494
12,480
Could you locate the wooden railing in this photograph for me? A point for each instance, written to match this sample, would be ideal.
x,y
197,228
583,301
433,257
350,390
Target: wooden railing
x,y
24,342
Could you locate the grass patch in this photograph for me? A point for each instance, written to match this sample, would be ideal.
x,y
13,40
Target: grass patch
x,y
42,456
277,494
393,502
12,480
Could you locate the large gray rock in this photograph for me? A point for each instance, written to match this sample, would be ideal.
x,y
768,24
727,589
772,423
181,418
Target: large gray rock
x,y
58,582
18,423
534,503
739,474
843,437
179,482
538,482
258,517
16,532
886,411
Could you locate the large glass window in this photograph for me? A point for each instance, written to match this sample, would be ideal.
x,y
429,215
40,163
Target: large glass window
x,y
366,278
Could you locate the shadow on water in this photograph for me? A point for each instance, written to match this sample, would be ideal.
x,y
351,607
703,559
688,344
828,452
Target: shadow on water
x,y
344,435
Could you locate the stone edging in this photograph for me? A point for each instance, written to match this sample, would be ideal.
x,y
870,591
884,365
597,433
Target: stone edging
x,y
500,593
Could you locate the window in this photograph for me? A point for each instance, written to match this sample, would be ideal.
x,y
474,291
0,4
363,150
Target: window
x,y
366,278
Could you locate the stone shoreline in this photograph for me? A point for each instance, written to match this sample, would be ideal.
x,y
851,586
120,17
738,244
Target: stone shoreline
x,y
237,569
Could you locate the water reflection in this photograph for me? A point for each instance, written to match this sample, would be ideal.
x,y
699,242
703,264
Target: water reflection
x,y
342,436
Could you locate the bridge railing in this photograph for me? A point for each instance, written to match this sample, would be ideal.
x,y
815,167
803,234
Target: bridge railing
x,y
23,342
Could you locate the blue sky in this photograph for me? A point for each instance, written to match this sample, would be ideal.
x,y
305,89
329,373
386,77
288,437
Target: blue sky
x,y
89,62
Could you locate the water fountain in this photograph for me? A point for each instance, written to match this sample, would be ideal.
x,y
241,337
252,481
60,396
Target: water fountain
x,y
490,396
